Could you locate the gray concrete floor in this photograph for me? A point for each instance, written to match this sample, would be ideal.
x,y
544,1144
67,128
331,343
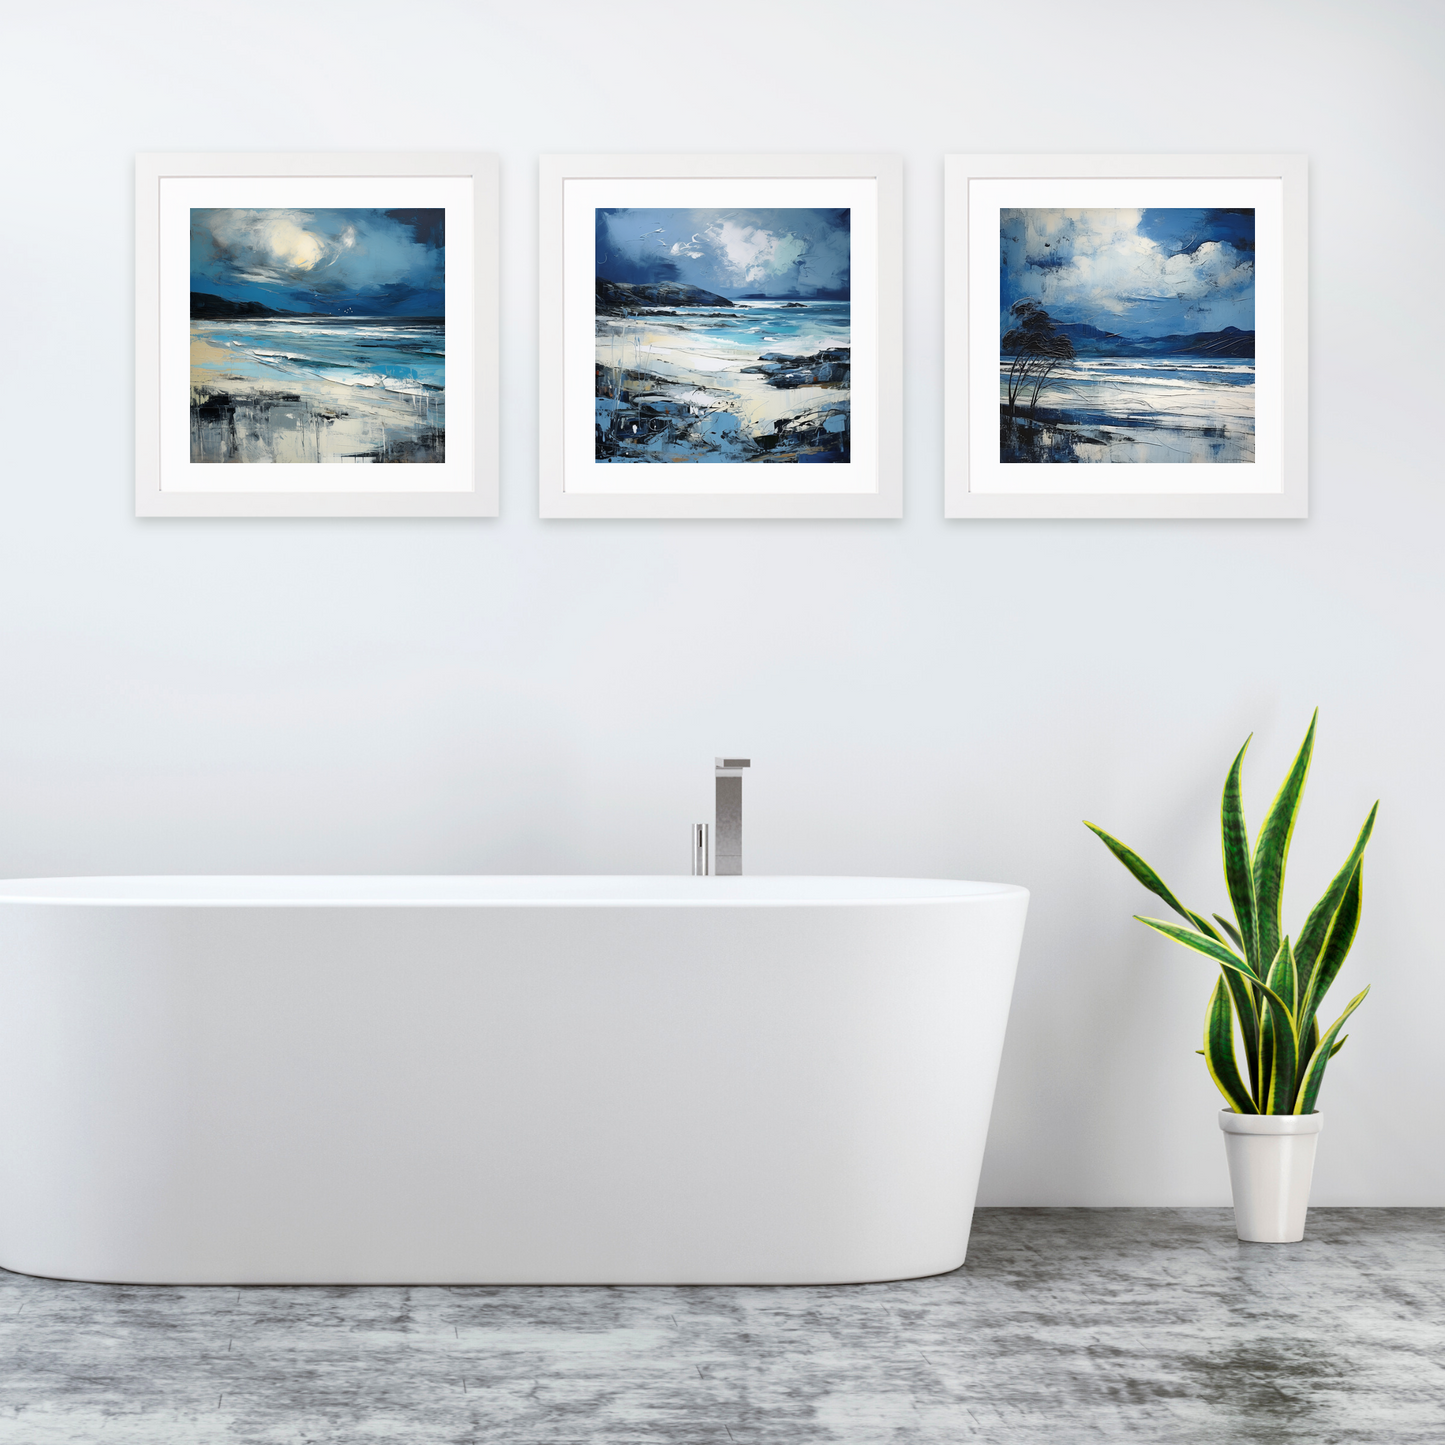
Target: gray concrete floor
x,y
1065,1325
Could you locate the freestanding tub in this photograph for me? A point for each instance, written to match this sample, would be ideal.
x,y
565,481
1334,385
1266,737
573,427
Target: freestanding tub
x,y
497,1080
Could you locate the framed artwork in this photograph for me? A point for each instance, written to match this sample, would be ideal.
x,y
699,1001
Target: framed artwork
x,y
316,336
721,336
1126,336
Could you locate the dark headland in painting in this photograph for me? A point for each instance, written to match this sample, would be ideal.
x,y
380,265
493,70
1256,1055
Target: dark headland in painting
x,y
1091,341
218,308
616,298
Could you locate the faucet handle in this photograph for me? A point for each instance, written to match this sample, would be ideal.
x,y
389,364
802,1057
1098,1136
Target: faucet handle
x,y
730,767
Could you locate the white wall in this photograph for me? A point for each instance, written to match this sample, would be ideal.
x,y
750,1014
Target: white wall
x,y
918,697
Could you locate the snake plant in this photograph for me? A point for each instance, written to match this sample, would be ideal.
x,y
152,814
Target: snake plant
x,y
1271,988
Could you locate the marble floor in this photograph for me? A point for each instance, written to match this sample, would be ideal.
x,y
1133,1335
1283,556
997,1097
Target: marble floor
x,y
1065,1325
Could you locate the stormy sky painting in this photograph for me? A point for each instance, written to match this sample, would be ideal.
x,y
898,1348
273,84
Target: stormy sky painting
x,y
1127,335
723,335
775,252
323,262
318,335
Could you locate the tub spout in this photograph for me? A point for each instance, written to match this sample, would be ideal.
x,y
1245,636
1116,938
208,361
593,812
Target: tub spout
x,y
728,823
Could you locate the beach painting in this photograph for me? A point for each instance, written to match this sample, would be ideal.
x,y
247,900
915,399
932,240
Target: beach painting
x,y
318,335
1127,335
722,335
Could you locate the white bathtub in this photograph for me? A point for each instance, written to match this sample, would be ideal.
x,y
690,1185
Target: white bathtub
x,y
497,1080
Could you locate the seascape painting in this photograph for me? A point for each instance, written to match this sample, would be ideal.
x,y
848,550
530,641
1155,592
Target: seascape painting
x,y
318,335
1127,335
723,335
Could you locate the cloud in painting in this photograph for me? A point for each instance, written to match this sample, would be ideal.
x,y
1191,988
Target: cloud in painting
x,y
1144,272
388,262
733,252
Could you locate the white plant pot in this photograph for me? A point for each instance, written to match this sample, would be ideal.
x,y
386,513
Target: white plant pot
x,y
1271,1163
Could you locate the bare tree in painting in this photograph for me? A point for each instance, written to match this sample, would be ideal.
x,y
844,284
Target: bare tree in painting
x,y
1037,347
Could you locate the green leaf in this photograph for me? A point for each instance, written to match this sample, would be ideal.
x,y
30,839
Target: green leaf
x,y
1271,850
1279,1037
1277,1029
1275,1013
1339,1044
1246,1007
1209,947
1266,1039
1279,1093
1333,922
1142,871
1219,1051
1205,927
1283,976
1313,1074
1238,873
1231,930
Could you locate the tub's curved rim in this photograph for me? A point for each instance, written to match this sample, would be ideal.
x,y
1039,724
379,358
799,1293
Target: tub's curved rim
x,y
426,890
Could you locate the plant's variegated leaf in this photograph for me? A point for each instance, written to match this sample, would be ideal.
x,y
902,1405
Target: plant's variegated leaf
x,y
1205,927
1238,868
1283,1070
1219,1051
1282,980
1323,915
1209,947
1284,1041
1231,930
1271,849
1337,942
1339,1044
1246,1008
1266,1057
1141,870
1313,1074
1283,976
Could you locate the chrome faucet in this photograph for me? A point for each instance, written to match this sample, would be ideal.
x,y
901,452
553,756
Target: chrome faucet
x,y
728,818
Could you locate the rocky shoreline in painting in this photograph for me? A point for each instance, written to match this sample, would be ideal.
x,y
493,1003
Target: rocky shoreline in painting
x,y
723,372
696,402
644,416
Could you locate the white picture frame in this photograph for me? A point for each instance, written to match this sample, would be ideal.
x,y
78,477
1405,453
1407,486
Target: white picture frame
x,y
574,484
983,478
458,477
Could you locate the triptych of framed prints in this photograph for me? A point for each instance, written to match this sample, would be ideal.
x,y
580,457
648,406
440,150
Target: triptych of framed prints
x,y
721,336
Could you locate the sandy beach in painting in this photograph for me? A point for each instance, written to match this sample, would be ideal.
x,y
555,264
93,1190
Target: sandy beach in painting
x,y
317,390
1124,409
